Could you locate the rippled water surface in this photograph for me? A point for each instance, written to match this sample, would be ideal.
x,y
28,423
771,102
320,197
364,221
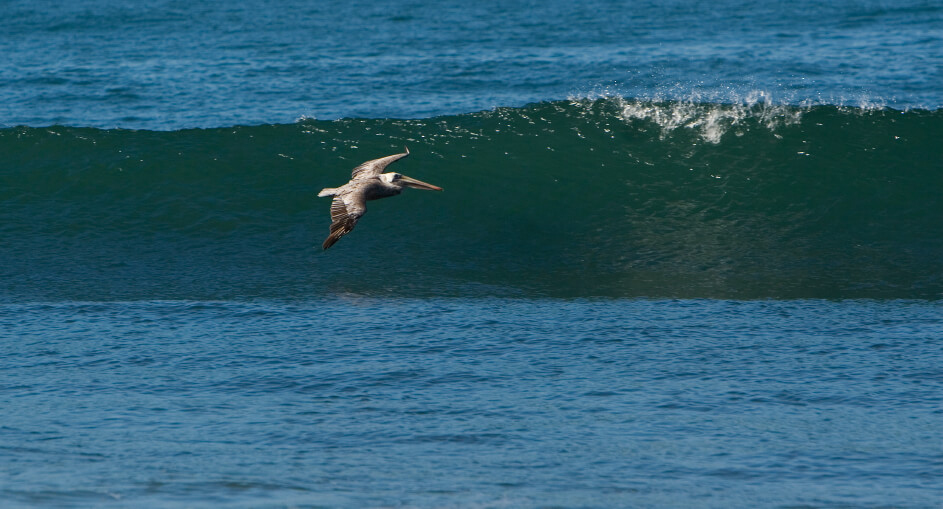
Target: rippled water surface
x,y
171,64
353,402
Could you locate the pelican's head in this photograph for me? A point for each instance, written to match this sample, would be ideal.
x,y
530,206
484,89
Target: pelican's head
x,y
400,180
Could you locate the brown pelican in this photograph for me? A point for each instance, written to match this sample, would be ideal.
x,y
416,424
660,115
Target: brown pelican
x,y
367,182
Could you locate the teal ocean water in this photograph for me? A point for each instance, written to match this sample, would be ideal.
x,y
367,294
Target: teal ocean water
x,y
686,255
589,198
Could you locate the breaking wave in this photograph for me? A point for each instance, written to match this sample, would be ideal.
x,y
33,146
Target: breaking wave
x,y
604,197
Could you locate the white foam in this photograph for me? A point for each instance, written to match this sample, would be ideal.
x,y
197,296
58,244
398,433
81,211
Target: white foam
x,y
710,119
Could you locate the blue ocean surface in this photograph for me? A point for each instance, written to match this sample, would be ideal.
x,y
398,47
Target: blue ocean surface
x,y
362,402
172,64
688,254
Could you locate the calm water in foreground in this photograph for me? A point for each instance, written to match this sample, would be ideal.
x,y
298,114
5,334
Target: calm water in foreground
x,y
353,402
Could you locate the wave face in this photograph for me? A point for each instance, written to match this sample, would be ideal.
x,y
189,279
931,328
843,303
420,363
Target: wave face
x,y
585,198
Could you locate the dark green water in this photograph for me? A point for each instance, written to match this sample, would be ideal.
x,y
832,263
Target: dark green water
x,y
590,198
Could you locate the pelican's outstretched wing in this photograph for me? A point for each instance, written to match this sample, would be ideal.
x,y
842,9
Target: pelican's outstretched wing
x,y
376,166
345,211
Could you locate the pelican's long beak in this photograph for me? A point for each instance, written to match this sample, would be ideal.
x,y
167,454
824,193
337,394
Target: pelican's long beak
x,y
418,184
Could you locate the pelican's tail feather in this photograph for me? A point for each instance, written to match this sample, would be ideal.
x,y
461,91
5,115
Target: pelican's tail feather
x,y
327,191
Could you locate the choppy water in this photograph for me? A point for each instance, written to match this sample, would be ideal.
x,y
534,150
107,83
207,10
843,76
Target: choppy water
x,y
687,255
172,64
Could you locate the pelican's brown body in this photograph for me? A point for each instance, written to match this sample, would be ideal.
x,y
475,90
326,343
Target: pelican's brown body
x,y
367,182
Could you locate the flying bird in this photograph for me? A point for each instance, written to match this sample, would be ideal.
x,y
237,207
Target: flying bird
x,y
367,182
